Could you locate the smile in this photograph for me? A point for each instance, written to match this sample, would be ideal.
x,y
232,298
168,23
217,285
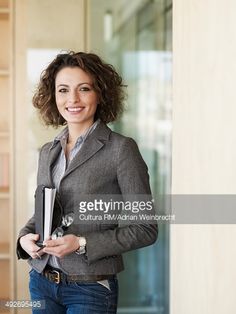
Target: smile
x,y
74,109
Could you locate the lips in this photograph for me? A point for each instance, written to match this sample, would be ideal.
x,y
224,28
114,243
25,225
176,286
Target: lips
x,y
74,109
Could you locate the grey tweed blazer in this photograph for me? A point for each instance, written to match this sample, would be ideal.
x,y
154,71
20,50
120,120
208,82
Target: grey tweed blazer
x,y
108,163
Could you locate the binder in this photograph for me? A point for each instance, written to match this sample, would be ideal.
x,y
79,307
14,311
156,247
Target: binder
x,y
48,212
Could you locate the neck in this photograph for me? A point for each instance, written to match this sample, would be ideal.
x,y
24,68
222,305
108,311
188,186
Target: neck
x,y
76,130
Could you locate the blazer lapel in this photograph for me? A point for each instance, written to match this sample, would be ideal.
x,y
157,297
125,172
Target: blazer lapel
x,y
94,142
53,153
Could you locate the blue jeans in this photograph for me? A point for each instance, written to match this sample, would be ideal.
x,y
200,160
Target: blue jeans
x,y
73,298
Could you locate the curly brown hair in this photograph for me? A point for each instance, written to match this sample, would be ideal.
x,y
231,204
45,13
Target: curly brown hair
x,y
107,83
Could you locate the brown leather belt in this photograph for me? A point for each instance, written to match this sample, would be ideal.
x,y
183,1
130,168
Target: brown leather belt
x,y
57,276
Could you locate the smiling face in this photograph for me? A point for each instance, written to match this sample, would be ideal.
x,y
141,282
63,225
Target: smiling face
x,y
76,97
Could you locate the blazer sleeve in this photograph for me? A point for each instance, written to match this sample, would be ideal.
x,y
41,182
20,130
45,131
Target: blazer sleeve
x,y
133,178
28,228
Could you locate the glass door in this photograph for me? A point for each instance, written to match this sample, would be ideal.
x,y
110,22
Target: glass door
x,y
139,46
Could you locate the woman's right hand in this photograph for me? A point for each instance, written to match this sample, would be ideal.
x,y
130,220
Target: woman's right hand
x,y
28,244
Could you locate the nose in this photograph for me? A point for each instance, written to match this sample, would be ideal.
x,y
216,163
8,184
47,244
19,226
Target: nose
x,y
73,96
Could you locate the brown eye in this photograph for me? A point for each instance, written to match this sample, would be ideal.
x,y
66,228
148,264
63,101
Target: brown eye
x,y
62,90
84,89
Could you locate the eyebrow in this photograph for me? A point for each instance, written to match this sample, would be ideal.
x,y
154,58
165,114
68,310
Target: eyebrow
x,y
65,85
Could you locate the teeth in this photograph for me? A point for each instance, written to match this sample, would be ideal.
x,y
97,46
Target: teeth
x,y
74,109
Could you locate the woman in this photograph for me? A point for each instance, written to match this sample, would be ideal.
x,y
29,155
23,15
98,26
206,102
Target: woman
x,y
76,273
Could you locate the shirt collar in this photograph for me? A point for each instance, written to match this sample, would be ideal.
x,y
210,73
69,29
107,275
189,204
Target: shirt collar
x,y
63,135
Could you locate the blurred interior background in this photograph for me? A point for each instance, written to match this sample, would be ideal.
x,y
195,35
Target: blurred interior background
x,y
135,37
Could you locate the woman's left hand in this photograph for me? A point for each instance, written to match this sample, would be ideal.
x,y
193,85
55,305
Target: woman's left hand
x,y
62,246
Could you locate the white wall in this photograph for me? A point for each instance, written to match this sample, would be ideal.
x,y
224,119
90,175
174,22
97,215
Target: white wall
x,y
203,257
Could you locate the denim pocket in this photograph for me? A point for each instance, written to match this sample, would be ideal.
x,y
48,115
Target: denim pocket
x,y
93,289
96,288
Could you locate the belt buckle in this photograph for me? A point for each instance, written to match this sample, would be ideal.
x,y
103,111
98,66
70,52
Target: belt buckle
x,y
57,277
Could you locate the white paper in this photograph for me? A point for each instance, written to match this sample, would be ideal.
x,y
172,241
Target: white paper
x,y
49,199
